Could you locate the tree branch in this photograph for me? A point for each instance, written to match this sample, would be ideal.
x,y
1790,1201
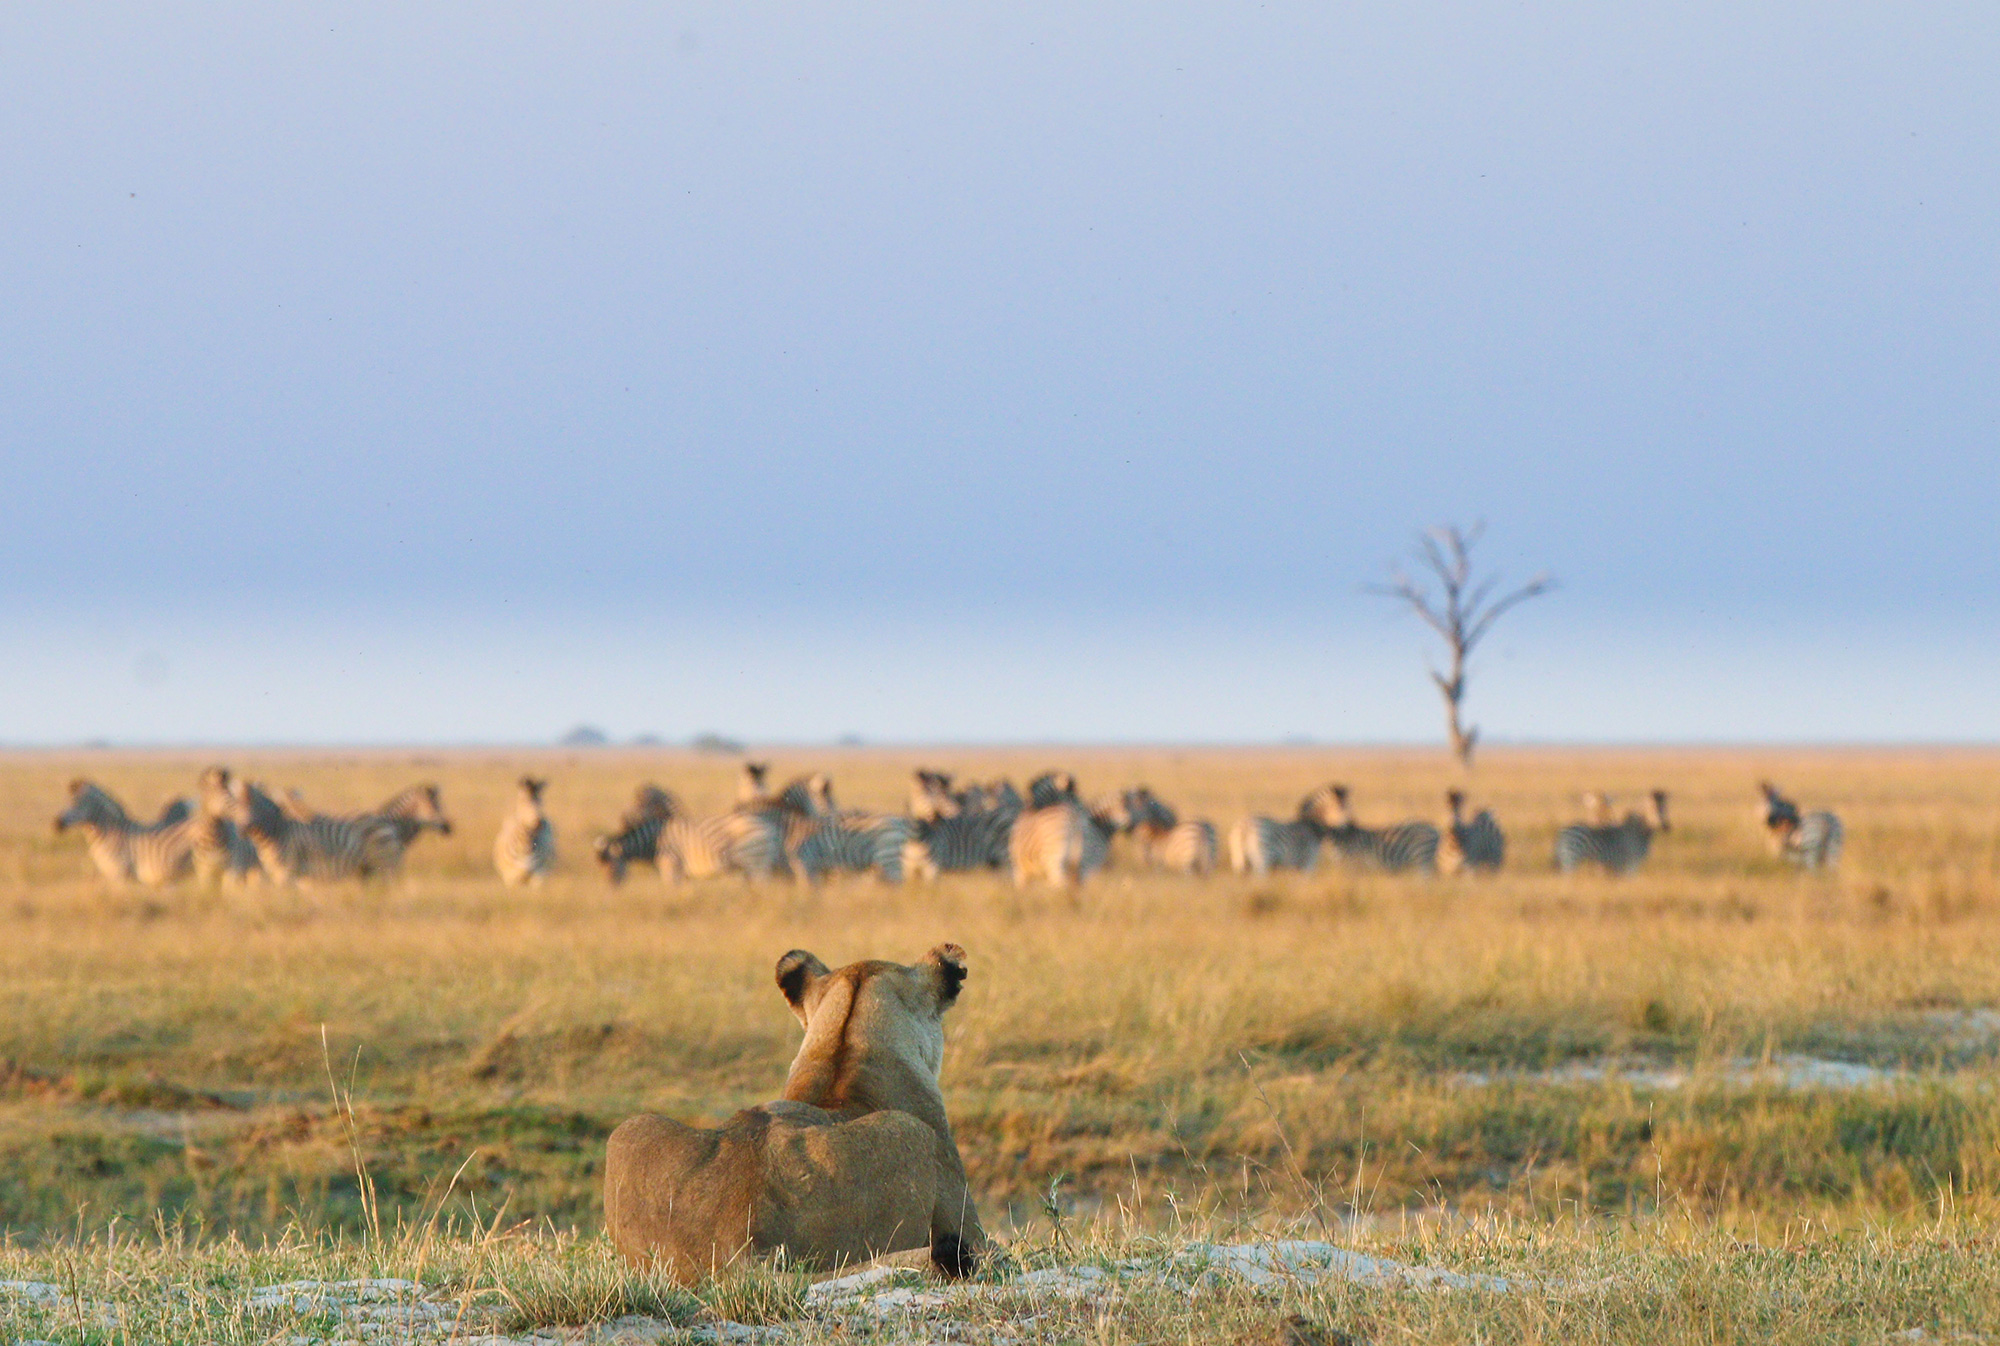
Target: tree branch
x,y
1541,584
1419,601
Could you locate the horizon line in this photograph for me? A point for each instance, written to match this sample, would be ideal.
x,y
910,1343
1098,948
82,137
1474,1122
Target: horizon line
x,y
749,746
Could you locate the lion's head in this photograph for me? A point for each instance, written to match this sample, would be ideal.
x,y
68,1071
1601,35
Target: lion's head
x,y
875,1041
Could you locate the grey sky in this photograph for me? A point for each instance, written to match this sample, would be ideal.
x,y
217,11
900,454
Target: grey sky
x,y
1003,371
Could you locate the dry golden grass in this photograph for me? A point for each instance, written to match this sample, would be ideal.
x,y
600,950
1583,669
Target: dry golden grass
x,y
1323,1047
1662,1284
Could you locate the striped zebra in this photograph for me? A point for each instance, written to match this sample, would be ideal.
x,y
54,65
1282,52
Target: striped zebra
x,y
802,795
1051,788
973,835
407,813
1808,840
379,841
637,840
1259,845
525,849
221,849
1106,818
1048,844
807,796
1478,845
292,849
750,783
796,810
125,851
931,795
750,842
413,812
994,796
1617,848
855,841
1393,849
650,801
1058,841
959,844
1164,840
103,806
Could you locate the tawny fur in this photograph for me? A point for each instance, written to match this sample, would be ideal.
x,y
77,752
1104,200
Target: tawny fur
x,y
856,1160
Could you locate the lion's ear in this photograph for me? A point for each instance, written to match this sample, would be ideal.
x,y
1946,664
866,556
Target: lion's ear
x,y
797,971
948,960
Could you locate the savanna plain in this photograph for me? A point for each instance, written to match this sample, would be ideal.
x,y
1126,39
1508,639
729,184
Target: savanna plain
x,y
1717,1100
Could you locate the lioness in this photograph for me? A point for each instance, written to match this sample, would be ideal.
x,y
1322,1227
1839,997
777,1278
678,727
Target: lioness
x,y
856,1160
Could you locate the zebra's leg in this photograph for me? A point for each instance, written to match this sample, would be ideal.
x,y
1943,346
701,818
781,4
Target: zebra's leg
x,y
918,862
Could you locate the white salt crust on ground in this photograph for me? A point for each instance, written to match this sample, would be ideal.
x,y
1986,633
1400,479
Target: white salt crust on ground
x,y
884,1301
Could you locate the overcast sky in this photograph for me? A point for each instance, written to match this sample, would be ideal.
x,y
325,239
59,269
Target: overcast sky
x,y
994,371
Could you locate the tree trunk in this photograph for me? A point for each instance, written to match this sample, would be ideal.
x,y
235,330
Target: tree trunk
x,y
1462,740
1463,737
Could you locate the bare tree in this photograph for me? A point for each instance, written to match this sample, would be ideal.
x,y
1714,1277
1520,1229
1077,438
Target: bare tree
x,y
1463,612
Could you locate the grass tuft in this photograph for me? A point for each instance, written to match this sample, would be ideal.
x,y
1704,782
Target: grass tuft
x,y
565,1281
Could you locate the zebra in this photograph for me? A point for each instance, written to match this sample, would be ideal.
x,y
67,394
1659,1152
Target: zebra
x,y
650,801
1476,845
221,849
1618,848
181,841
104,806
525,849
1165,841
414,811
638,837
1259,845
856,841
1809,840
931,795
408,813
1048,844
1057,839
637,841
796,810
125,851
1393,849
972,835
994,795
293,849
376,842
808,796
1051,788
750,842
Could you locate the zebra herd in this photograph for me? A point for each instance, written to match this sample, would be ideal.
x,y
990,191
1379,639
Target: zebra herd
x,y
1051,834
235,830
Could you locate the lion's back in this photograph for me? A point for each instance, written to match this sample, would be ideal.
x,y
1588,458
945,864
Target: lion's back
x,y
786,1175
